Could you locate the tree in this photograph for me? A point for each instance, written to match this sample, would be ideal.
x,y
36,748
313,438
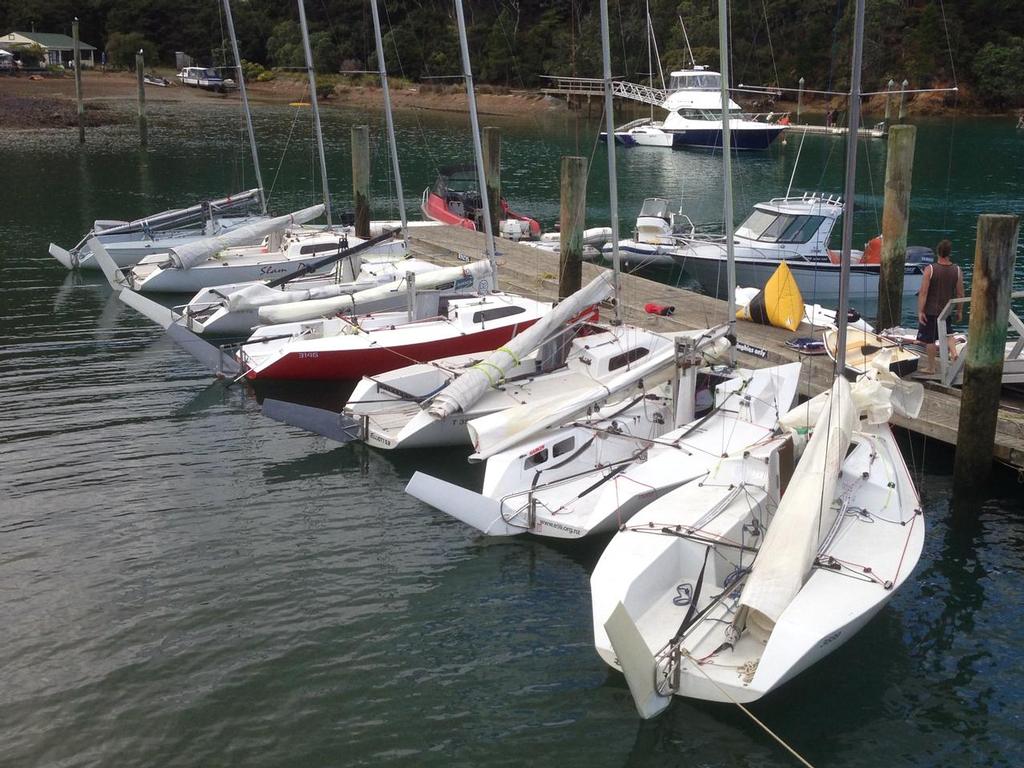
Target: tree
x,y
30,56
121,49
999,72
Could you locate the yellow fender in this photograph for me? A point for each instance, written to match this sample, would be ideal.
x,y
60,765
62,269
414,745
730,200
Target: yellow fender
x,y
779,304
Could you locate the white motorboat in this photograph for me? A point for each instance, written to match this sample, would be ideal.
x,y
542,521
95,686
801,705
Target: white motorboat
x,y
207,78
658,233
129,241
694,119
735,582
795,230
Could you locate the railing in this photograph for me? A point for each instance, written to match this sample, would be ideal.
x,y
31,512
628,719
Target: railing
x,y
951,372
594,86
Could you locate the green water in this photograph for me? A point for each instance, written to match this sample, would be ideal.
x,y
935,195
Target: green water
x,y
183,582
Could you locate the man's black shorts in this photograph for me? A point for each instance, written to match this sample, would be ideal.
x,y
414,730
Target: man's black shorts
x,y
928,331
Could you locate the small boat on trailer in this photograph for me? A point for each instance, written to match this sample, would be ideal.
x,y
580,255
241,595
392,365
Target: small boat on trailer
x,y
206,78
151,79
455,199
129,241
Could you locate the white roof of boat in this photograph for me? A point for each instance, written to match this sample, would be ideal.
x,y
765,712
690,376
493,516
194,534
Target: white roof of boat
x,y
831,206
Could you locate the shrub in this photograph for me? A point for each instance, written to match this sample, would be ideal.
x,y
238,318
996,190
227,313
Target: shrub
x,y
265,76
30,56
122,47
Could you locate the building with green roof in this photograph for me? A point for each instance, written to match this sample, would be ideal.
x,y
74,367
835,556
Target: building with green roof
x,y
60,49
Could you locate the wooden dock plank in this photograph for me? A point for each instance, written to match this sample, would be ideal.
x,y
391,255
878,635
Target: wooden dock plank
x,y
534,272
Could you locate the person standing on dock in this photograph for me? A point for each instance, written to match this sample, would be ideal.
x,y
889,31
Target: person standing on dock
x,y
942,281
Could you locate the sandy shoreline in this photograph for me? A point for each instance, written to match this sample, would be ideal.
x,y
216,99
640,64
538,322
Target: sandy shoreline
x,y
48,102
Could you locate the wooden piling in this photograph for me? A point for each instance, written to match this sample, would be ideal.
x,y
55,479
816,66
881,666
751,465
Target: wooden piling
x,y
140,66
991,284
78,82
888,100
361,178
799,100
491,140
899,168
572,222
903,101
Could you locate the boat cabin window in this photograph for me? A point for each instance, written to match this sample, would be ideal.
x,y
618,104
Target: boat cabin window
x,y
655,207
771,227
690,81
496,313
627,357
534,459
318,247
563,447
709,114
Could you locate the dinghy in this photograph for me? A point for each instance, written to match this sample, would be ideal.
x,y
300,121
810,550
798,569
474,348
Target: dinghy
x,y
863,346
735,582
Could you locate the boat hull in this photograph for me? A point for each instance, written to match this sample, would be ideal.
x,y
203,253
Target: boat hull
x,y
357,362
711,138
818,282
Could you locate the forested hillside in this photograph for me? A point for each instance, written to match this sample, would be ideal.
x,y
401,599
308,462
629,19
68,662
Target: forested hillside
x,y
977,43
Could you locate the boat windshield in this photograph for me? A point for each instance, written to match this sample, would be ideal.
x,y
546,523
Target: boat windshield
x,y
695,81
771,227
655,207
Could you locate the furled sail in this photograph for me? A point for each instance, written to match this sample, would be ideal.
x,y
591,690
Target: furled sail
x,y
470,386
804,517
196,252
180,217
496,432
314,308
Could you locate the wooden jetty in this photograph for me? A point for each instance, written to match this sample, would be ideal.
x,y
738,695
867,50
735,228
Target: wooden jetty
x,y
534,272
879,131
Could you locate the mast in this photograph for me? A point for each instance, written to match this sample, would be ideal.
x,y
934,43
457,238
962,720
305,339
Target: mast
x,y
650,63
478,154
613,184
316,110
388,118
245,105
850,190
727,213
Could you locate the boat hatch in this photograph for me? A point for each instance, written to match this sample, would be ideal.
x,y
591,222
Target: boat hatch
x,y
496,313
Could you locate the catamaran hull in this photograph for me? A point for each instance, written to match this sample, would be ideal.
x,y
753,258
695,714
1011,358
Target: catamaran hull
x,y
818,282
129,249
355,363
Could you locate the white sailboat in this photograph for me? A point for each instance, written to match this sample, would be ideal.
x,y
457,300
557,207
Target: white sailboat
x,y
128,242
739,581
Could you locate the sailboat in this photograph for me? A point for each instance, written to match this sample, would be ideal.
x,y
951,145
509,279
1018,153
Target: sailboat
x,y
350,348
554,467
213,261
129,241
739,580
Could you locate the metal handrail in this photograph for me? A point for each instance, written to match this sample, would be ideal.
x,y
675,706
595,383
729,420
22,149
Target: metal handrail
x,y
950,373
